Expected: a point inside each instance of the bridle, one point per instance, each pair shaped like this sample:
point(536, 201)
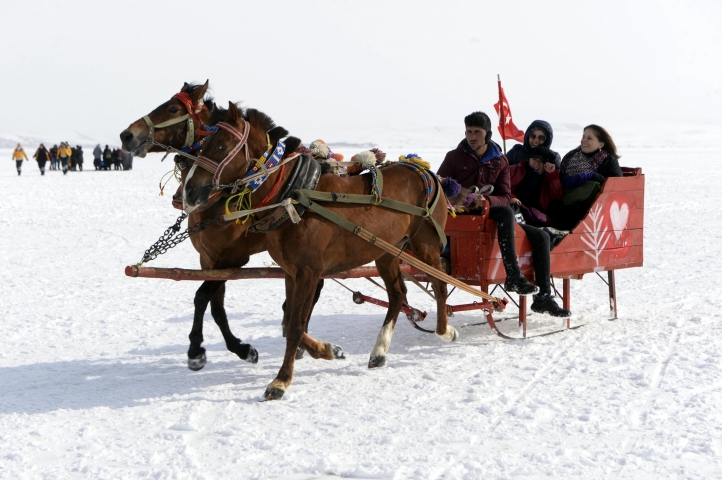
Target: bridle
point(190, 117)
point(255, 176)
point(216, 168)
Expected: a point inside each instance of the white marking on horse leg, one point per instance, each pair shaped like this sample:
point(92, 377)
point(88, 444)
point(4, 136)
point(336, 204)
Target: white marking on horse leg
point(383, 341)
point(450, 335)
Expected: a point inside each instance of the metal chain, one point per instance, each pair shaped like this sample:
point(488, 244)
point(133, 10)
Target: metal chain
point(171, 237)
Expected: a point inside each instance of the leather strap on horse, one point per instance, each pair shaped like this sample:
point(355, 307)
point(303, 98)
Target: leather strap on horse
point(381, 201)
point(389, 248)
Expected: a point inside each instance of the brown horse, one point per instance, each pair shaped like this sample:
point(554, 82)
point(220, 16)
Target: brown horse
point(316, 246)
point(220, 246)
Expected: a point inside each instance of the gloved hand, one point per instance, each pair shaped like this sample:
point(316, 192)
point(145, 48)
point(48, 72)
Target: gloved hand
point(598, 177)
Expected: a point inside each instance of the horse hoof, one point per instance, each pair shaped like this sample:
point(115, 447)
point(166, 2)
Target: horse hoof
point(273, 394)
point(197, 363)
point(299, 353)
point(251, 355)
point(338, 353)
point(377, 361)
point(451, 334)
point(245, 351)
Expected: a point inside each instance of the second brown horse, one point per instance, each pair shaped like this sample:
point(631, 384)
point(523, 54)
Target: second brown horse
point(316, 246)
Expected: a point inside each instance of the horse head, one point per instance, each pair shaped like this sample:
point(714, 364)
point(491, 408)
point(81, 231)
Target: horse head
point(172, 123)
point(240, 137)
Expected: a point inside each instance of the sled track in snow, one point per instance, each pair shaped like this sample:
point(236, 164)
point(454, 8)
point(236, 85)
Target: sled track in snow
point(639, 416)
point(551, 365)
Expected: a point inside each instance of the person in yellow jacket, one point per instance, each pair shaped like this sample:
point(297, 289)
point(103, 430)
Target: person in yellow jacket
point(64, 154)
point(18, 156)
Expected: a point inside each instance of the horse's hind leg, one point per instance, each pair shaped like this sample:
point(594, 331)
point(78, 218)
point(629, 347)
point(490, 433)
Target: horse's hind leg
point(388, 267)
point(319, 287)
point(425, 246)
point(234, 344)
point(196, 353)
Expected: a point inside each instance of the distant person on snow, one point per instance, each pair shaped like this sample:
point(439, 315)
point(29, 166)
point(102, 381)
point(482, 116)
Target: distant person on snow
point(97, 157)
point(127, 161)
point(78, 157)
point(18, 156)
point(478, 161)
point(41, 156)
point(107, 158)
point(71, 162)
point(64, 154)
point(54, 157)
point(117, 159)
point(538, 134)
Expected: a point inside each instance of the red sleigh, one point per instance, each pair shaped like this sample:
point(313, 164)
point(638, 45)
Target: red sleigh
point(609, 238)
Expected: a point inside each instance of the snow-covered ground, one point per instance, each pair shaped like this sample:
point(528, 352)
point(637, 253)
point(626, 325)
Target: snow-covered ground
point(94, 381)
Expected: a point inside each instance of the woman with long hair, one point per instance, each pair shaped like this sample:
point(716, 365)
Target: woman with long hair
point(582, 172)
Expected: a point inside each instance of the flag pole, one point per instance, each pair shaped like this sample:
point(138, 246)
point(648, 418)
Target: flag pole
point(502, 117)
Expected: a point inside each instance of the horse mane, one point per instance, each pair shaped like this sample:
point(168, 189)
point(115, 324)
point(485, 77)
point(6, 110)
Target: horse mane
point(218, 114)
point(258, 120)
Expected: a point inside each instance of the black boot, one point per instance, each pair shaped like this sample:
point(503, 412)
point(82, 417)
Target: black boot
point(519, 284)
point(544, 303)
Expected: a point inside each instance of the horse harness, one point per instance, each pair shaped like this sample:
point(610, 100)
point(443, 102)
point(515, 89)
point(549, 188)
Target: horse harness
point(299, 193)
point(193, 111)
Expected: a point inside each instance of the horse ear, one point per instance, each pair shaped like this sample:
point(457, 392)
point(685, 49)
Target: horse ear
point(198, 94)
point(233, 113)
point(185, 87)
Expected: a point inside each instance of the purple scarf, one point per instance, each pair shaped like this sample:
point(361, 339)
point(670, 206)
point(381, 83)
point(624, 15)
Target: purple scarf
point(576, 162)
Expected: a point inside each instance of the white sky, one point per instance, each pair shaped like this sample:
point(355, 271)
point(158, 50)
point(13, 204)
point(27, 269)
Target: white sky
point(343, 66)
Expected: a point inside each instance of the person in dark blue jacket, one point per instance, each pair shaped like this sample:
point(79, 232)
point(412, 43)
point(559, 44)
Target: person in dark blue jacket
point(538, 134)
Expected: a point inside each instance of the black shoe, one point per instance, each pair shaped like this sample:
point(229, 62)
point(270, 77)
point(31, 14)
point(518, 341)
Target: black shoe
point(520, 285)
point(555, 235)
point(545, 303)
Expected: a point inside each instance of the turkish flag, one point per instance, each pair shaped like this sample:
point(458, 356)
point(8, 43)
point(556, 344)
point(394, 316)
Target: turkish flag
point(507, 129)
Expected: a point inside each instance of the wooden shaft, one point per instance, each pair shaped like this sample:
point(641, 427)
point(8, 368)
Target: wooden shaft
point(418, 264)
point(178, 274)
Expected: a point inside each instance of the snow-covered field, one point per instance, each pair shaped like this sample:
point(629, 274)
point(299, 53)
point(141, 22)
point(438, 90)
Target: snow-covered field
point(94, 381)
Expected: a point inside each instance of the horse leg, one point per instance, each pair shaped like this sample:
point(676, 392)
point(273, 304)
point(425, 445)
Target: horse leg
point(234, 344)
point(388, 268)
point(196, 353)
point(319, 287)
point(425, 247)
point(299, 290)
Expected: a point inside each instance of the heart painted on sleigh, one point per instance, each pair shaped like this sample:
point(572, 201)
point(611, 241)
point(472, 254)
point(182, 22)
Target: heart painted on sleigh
point(619, 216)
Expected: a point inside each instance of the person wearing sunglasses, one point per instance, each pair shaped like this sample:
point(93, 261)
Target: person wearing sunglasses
point(538, 134)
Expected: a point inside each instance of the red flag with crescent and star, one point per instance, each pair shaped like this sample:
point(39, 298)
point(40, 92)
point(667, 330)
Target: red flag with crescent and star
point(507, 129)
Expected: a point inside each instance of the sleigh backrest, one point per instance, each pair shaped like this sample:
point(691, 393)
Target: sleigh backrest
point(609, 237)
